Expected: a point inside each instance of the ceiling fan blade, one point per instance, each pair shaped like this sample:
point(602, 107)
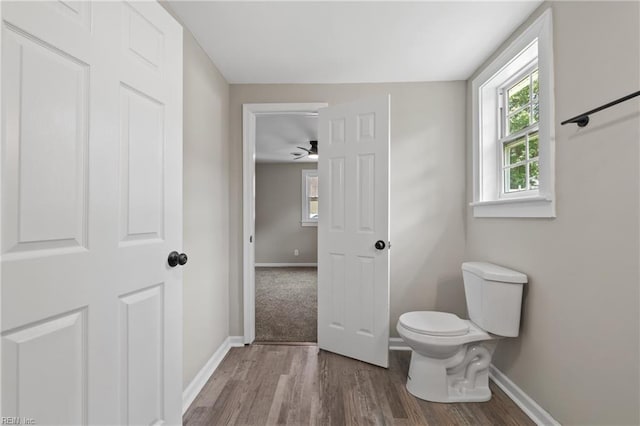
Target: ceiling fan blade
point(301, 156)
point(304, 149)
point(297, 153)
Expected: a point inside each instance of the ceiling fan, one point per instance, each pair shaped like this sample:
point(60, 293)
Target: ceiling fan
point(311, 153)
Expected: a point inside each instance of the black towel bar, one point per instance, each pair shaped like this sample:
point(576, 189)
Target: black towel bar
point(583, 119)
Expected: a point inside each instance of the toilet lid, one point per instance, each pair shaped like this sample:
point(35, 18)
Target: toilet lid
point(434, 323)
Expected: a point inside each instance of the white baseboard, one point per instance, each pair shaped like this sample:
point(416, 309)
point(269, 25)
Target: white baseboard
point(198, 382)
point(397, 344)
point(285, 265)
point(236, 341)
point(531, 408)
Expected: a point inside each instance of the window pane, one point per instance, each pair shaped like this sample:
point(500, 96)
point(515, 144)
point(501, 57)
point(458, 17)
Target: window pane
point(515, 179)
point(515, 152)
point(519, 94)
point(313, 209)
point(312, 186)
point(519, 121)
point(533, 145)
point(534, 174)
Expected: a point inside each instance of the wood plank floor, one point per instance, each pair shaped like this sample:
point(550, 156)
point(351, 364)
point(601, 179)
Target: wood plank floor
point(300, 385)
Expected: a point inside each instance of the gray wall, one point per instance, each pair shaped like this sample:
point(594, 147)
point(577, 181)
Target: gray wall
point(427, 187)
point(278, 205)
point(577, 354)
point(205, 195)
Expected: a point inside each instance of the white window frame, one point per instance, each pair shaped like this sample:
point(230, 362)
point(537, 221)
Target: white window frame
point(305, 220)
point(489, 197)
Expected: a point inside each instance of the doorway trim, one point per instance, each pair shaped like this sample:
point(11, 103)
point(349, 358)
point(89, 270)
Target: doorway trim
point(249, 114)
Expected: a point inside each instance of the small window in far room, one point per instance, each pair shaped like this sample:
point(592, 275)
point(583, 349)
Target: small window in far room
point(309, 198)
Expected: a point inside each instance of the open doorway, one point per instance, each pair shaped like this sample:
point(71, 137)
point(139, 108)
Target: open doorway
point(280, 222)
point(286, 227)
point(353, 226)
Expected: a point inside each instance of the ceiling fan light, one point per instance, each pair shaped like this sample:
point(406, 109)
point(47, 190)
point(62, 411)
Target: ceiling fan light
point(311, 154)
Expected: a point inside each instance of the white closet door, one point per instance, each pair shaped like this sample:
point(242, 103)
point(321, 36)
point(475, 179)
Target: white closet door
point(91, 208)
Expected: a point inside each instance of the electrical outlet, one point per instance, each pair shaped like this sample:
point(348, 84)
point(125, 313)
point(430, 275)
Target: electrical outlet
point(296, 252)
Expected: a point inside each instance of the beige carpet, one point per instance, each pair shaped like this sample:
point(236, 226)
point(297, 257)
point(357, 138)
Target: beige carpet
point(286, 304)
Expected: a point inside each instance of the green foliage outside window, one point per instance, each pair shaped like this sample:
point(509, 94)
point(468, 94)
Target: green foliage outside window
point(521, 155)
point(523, 108)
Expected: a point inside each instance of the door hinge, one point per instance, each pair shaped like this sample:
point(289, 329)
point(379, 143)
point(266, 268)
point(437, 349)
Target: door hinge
point(250, 238)
point(389, 245)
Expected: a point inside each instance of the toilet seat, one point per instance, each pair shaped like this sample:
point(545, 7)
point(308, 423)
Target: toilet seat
point(434, 323)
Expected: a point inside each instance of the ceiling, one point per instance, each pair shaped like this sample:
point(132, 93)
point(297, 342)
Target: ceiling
point(350, 42)
point(278, 135)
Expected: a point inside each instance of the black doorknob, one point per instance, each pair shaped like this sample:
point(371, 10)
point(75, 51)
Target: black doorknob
point(176, 259)
point(380, 245)
point(173, 259)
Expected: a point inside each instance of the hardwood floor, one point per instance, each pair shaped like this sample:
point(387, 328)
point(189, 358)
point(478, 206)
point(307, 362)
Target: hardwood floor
point(300, 385)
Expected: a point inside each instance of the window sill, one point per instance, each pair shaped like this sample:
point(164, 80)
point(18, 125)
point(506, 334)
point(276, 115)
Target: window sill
point(537, 206)
point(311, 224)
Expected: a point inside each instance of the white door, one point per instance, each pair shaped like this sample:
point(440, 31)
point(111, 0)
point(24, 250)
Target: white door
point(353, 275)
point(91, 208)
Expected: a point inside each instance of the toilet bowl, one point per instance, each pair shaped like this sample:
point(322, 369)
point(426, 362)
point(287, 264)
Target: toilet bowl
point(446, 367)
point(450, 356)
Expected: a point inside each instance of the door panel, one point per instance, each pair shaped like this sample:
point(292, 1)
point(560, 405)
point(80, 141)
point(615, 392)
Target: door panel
point(353, 276)
point(142, 319)
point(366, 294)
point(366, 193)
point(143, 40)
point(338, 290)
point(142, 162)
point(91, 207)
point(336, 193)
point(48, 360)
point(31, 135)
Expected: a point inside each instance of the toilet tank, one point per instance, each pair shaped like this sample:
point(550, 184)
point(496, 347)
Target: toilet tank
point(494, 297)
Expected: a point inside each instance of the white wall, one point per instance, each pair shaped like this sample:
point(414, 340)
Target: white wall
point(577, 354)
point(278, 214)
point(206, 218)
point(427, 187)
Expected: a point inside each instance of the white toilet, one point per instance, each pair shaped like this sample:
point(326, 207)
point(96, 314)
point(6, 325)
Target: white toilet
point(450, 356)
